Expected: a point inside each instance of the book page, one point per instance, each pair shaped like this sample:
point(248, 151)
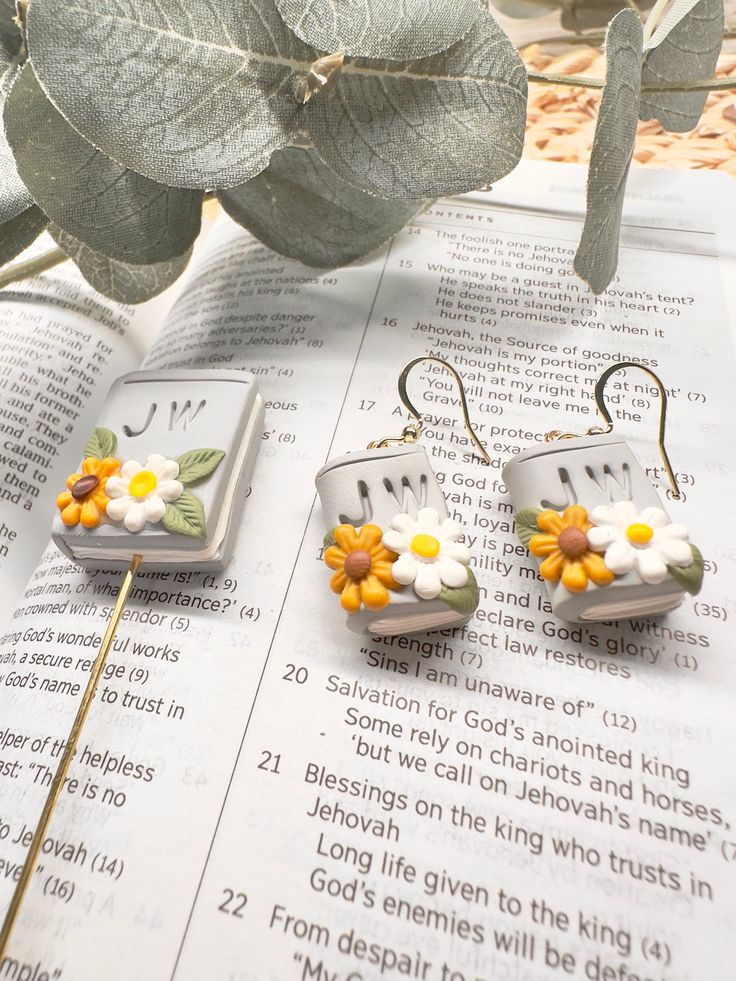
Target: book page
point(261, 794)
point(63, 346)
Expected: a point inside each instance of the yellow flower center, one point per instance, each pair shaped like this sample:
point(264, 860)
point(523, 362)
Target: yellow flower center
point(142, 483)
point(425, 545)
point(639, 534)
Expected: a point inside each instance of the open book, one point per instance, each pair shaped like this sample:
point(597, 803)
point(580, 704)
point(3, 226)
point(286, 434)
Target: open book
point(261, 794)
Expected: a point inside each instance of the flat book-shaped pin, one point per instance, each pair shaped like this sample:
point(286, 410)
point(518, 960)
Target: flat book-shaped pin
point(162, 482)
point(165, 472)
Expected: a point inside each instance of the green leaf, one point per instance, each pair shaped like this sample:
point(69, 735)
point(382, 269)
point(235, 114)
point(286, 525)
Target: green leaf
point(685, 47)
point(120, 281)
point(524, 9)
point(463, 600)
point(329, 538)
point(380, 28)
point(613, 145)
point(525, 524)
point(185, 516)
point(112, 210)
point(102, 442)
point(440, 125)
point(18, 233)
point(299, 208)
point(195, 465)
point(189, 94)
point(14, 196)
point(690, 577)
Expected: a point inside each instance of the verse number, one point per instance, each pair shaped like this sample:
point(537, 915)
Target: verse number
point(270, 762)
point(233, 903)
point(365, 405)
point(297, 674)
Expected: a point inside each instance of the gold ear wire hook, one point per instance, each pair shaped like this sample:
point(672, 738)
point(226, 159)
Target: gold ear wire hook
point(603, 410)
point(412, 432)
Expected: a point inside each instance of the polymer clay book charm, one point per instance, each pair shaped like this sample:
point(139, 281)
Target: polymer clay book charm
point(397, 561)
point(162, 482)
point(151, 480)
point(587, 510)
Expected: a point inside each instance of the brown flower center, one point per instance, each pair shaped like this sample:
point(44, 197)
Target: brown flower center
point(84, 486)
point(573, 542)
point(357, 564)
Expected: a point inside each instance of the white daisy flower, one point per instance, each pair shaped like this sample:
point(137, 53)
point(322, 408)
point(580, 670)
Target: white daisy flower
point(643, 540)
point(430, 554)
point(139, 494)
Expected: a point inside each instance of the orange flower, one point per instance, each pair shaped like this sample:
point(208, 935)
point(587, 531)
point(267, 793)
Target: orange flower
point(85, 500)
point(567, 553)
point(362, 568)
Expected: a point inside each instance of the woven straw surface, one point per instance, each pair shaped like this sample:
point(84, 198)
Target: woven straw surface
point(561, 119)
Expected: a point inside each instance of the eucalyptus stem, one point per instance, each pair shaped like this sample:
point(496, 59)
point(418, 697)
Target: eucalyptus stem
point(587, 82)
point(596, 37)
point(31, 267)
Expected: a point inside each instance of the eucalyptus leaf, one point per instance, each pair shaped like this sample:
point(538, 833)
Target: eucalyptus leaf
point(525, 524)
point(11, 39)
point(112, 210)
point(380, 28)
point(463, 599)
point(18, 233)
point(14, 197)
point(524, 9)
point(189, 94)
point(440, 125)
point(195, 465)
point(329, 538)
point(120, 281)
point(613, 146)
point(685, 47)
point(690, 577)
point(101, 443)
point(299, 208)
point(185, 516)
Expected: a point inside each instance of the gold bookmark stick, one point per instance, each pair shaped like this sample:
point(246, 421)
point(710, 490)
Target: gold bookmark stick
point(57, 784)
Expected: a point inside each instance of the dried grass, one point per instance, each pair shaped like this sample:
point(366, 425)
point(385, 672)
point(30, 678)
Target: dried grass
point(561, 119)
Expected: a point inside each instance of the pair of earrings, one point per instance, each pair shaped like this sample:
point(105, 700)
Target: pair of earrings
point(583, 506)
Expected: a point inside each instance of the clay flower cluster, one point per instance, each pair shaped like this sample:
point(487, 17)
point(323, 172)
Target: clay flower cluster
point(578, 548)
point(134, 494)
point(422, 552)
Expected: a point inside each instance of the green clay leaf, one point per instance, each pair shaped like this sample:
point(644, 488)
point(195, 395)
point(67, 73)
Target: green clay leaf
point(525, 524)
point(685, 47)
point(299, 208)
point(103, 442)
point(111, 209)
point(195, 465)
point(613, 145)
point(380, 28)
point(121, 281)
point(329, 538)
point(690, 577)
point(463, 600)
point(185, 516)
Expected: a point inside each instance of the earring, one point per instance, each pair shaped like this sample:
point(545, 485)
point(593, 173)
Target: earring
point(398, 564)
point(589, 512)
